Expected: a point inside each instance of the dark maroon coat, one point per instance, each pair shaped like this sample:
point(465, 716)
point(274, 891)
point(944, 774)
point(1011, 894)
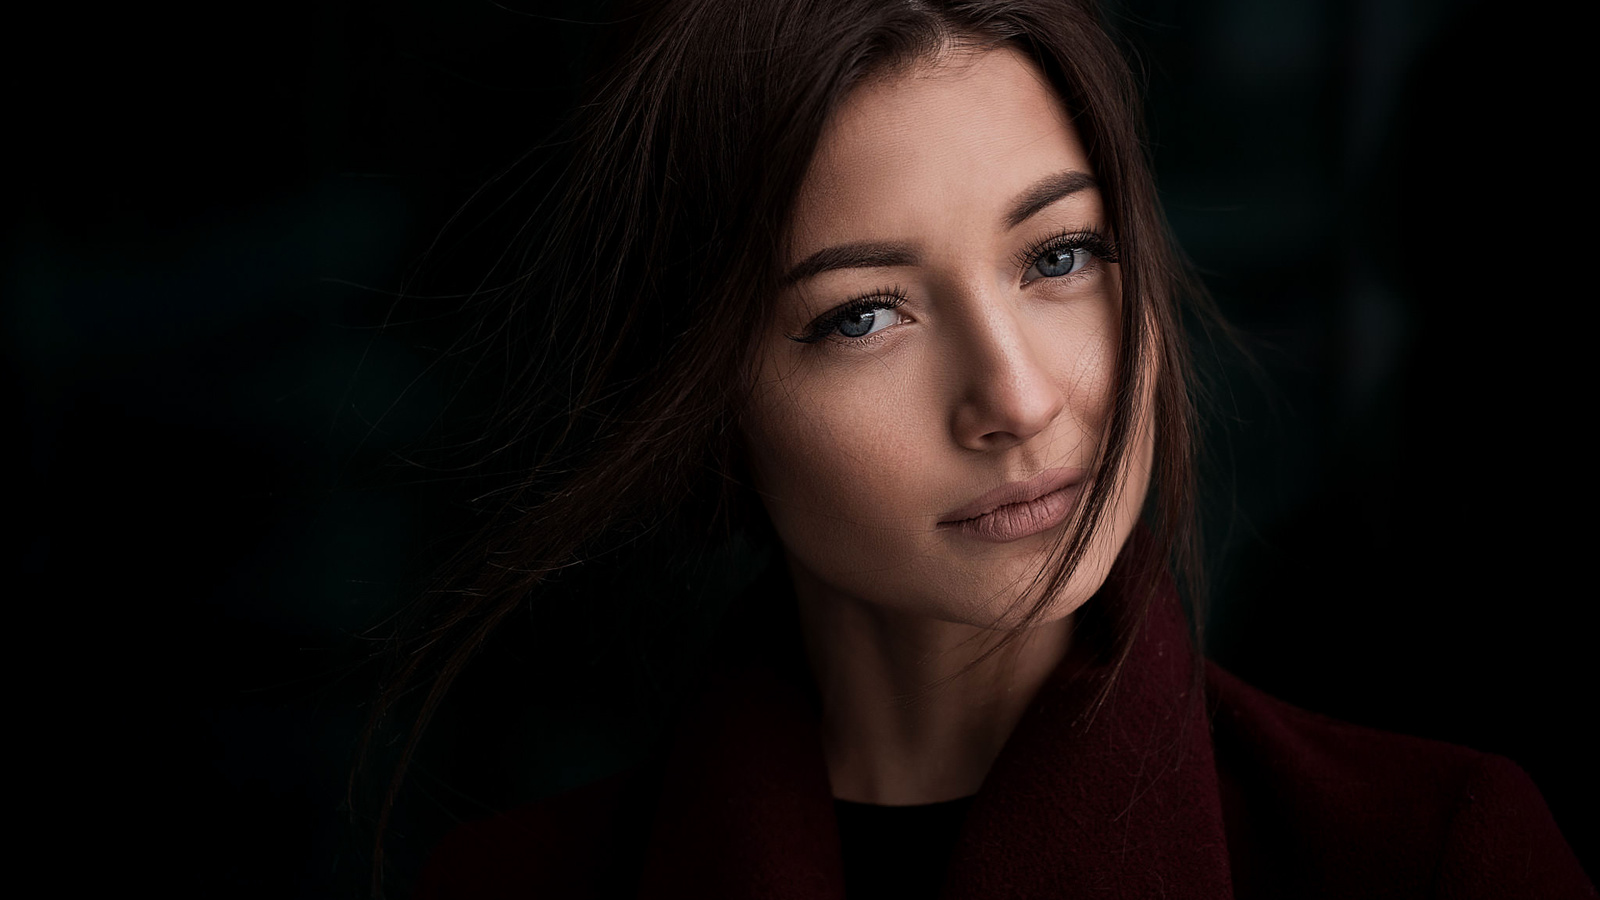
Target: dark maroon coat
point(1151, 796)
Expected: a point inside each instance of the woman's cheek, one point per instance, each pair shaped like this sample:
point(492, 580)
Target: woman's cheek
point(840, 457)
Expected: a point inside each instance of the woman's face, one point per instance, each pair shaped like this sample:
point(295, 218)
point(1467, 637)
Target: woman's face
point(933, 388)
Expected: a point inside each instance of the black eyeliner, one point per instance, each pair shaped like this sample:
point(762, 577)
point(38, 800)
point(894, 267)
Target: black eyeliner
point(823, 325)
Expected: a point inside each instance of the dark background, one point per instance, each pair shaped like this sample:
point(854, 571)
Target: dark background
point(219, 397)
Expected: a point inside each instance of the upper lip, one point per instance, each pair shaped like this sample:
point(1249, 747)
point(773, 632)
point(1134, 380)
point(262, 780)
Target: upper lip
point(1047, 482)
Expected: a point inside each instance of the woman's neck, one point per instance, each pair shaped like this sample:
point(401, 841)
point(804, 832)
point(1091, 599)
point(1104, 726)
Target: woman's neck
point(892, 733)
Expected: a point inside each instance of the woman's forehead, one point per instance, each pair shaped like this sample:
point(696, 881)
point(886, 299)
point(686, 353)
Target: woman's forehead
point(954, 140)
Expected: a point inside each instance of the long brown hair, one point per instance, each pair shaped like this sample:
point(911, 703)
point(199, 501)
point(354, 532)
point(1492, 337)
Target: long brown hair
point(633, 312)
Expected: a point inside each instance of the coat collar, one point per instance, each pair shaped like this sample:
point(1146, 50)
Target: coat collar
point(1121, 801)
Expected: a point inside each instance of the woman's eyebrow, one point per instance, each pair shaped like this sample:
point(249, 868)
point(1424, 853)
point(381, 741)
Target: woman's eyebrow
point(858, 255)
point(1046, 191)
point(882, 254)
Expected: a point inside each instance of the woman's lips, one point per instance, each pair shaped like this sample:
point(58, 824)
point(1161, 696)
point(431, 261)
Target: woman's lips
point(1020, 509)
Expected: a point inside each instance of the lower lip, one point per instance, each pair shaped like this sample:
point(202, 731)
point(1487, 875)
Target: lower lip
point(1019, 520)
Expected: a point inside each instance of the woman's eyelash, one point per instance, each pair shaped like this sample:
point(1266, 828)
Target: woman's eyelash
point(825, 324)
point(1099, 246)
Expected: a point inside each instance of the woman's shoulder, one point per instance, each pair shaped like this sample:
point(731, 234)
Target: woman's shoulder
point(567, 845)
point(1310, 801)
point(1271, 735)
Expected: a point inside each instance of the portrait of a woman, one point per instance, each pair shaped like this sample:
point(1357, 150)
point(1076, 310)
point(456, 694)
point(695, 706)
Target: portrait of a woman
point(886, 288)
point(835, 449)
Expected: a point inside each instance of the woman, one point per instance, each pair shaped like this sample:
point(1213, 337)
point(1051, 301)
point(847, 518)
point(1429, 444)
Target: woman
point(887, 286)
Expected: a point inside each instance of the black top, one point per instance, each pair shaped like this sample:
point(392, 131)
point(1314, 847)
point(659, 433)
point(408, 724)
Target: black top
point(897, 851)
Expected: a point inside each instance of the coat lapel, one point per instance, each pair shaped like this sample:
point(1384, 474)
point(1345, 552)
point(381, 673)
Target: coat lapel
point(745, 808)
point(1116, 802)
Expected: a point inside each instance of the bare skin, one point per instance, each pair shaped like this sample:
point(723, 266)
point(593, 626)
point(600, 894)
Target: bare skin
point(949, 332)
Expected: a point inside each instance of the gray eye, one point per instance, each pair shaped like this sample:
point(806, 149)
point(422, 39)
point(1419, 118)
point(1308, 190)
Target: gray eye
point(1061, 261)
point(858, 324)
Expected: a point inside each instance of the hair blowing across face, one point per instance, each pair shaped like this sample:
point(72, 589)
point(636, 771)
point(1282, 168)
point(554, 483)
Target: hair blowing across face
point(634, 311)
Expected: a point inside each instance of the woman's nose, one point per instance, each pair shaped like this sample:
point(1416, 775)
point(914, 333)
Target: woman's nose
point(1008, 391)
